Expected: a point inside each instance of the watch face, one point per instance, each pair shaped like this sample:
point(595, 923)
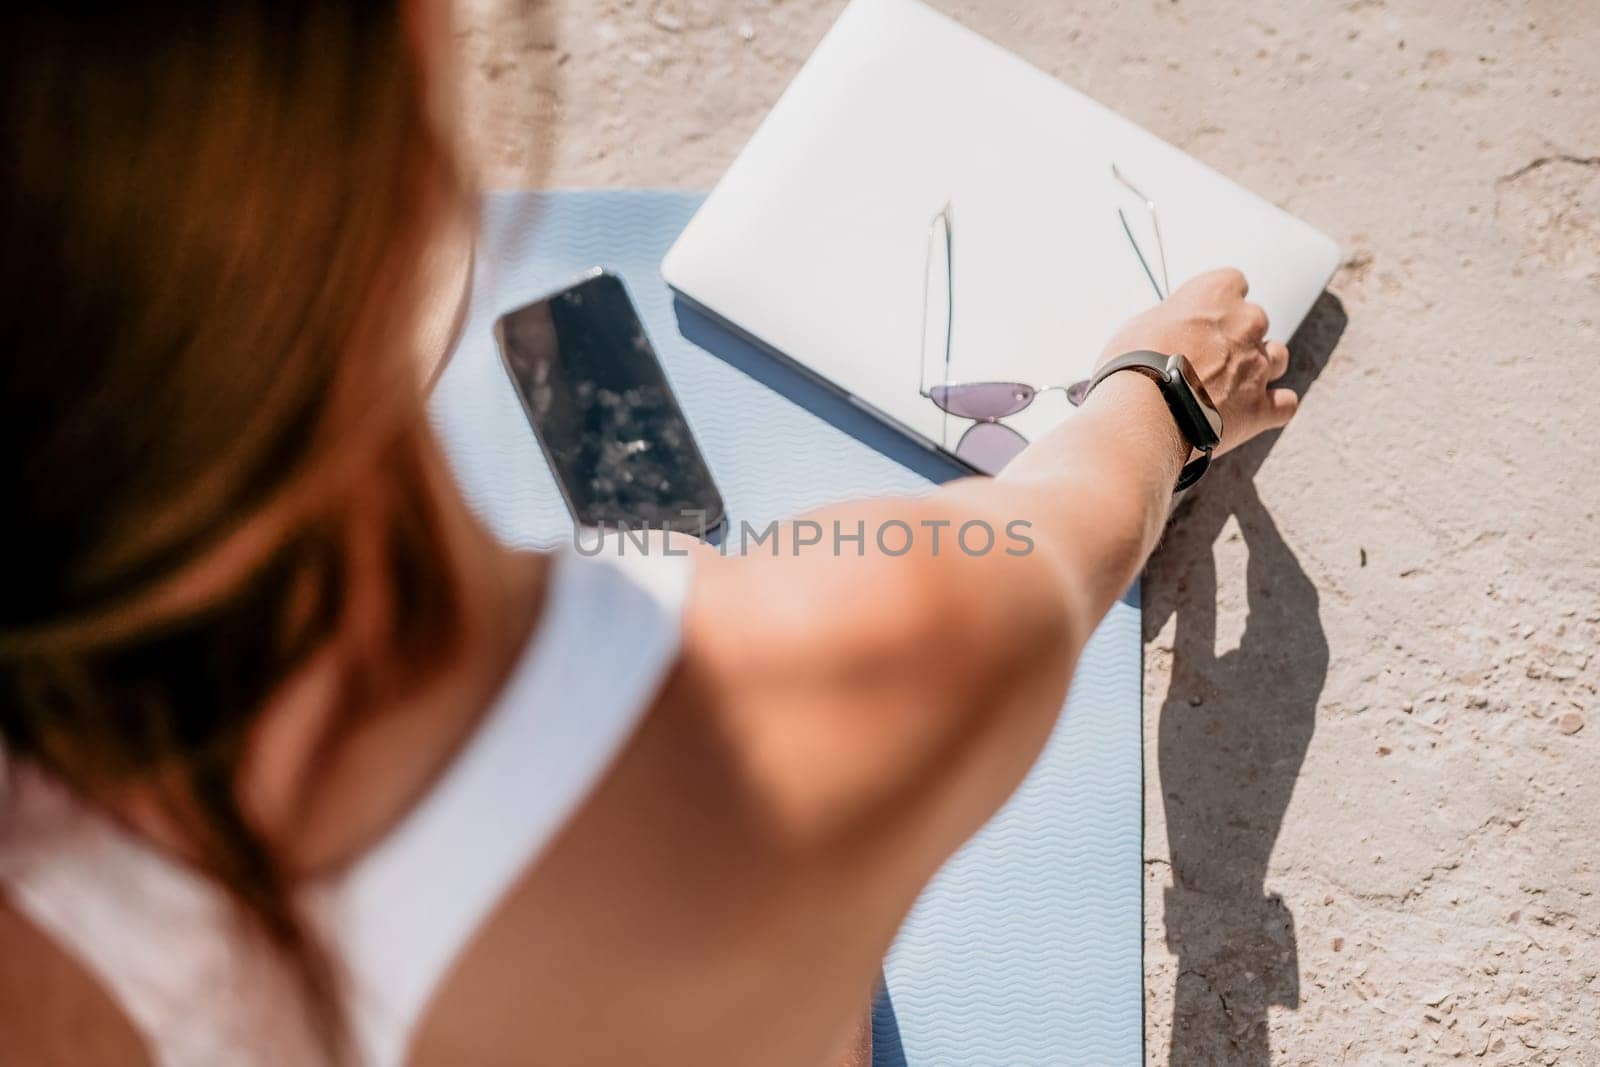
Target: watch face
point(1197, 387)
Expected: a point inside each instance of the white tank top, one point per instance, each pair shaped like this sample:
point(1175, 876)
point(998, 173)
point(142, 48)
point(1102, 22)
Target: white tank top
point(166, 944)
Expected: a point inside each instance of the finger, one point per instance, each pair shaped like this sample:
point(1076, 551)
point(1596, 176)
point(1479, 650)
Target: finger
point(1277, 360)
point(1230, 280)
point(1282, 403)
point(1254, 319)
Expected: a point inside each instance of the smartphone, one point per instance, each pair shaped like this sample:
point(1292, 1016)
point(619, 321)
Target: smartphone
point(603, 412)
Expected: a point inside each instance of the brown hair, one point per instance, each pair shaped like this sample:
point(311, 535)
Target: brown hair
point(211, 215)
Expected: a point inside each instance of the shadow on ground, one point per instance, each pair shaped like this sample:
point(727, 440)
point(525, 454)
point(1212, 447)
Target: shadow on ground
point(1233, 734)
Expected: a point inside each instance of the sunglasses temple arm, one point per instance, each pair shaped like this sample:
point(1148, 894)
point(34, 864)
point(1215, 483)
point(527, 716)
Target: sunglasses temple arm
point(1161, 249)
point(922, 332)
point(1148, 273)
point(949, 304)
point(1155, 224)
point(949, 314)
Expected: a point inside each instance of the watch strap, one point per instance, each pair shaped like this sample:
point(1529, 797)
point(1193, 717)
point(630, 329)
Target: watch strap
point(1192, 471)
point(1185, 407)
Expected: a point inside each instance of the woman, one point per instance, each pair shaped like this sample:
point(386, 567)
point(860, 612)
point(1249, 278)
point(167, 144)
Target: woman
point(302, 765)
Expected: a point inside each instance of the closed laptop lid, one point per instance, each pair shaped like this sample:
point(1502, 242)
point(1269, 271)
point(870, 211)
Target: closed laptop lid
point(815, 240)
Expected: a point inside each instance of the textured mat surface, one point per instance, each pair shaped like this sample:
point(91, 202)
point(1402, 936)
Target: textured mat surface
point(1026, 948)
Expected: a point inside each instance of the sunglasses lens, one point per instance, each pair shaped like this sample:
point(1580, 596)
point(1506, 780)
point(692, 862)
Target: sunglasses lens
point(1077, 393)
point(983, 400)
point(989, 446)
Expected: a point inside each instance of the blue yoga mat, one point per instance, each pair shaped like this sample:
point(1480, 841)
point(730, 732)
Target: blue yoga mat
point(1026, 949)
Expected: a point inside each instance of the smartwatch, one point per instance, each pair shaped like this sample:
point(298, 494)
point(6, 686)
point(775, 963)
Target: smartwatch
point(1197, 417)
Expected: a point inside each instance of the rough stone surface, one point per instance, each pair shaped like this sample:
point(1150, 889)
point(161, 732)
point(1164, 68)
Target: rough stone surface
point(1372, 805)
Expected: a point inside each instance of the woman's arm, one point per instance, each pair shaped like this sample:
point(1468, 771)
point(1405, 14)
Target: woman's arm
point(860, 671)
point(874, 709)
point(1098, 490)
point(837, 725)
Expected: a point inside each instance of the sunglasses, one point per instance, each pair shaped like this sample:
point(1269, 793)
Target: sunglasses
point(988, 443)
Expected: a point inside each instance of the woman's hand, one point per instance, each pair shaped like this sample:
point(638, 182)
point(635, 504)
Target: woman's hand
point(1223, 335)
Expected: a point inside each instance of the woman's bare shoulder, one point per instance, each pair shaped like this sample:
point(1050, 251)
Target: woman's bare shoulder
point(668, 924)
point(52, 1009)
point(833, 728)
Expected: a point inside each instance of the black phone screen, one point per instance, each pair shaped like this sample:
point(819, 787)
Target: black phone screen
point(603, 411)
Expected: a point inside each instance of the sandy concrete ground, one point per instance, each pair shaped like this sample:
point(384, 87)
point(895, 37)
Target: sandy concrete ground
point(1371, 713)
